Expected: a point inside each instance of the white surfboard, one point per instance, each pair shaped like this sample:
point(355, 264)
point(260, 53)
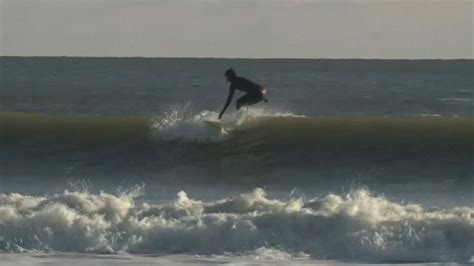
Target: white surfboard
point(213, 123)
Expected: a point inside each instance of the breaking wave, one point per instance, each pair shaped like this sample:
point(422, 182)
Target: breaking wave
point(358, 225)
point(185, 126)
point(254, 146)
point(247, 145)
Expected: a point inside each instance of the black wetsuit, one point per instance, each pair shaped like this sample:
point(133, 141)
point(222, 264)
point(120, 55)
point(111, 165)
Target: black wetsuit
point(254, 93)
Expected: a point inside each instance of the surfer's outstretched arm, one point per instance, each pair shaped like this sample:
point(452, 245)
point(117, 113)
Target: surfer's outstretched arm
point(227, 102)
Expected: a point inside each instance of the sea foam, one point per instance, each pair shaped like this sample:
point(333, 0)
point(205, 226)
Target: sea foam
point(358, 226)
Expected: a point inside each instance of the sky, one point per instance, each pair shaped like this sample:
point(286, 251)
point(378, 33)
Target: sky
point(409, 29)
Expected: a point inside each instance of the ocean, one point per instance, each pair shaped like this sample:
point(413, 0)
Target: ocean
point(109, 161)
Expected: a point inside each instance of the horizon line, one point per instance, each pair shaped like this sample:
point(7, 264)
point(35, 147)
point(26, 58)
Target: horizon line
point(237, 58)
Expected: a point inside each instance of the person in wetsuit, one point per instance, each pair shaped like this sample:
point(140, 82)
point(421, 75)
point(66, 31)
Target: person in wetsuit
point(254, 92)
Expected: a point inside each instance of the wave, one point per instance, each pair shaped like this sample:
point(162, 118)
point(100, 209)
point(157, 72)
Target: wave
point(252, 130)
point(359, 226)
point(459, 100)
point(183, 125)
point(177, 124)
point(254, 147)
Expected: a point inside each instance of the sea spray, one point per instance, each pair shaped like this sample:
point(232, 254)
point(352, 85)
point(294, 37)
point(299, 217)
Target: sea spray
point(181, 123)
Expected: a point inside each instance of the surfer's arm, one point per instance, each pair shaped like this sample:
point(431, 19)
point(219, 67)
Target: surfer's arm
point(227, 102)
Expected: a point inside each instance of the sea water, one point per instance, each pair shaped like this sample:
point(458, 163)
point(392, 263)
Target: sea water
point(109, 161)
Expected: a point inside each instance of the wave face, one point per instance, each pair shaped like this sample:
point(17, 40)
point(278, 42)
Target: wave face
point(358, 226)
point(276, 130)
point(250, 144)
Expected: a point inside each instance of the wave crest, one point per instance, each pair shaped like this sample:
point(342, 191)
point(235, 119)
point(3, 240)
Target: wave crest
point(181, 123)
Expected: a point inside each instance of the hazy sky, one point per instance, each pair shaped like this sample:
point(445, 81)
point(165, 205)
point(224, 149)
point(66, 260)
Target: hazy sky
point(238, 28)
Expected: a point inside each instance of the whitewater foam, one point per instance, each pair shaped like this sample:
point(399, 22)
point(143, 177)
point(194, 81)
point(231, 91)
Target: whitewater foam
point(358, 225)
point(181, 123)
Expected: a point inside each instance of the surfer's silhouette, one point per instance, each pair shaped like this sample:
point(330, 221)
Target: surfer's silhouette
point(254, 92)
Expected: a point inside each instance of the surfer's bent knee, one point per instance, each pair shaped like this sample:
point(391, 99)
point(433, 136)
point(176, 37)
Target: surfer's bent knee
point(251, 99)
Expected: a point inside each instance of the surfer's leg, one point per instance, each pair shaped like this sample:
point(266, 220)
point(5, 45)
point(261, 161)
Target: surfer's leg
point(249, 99)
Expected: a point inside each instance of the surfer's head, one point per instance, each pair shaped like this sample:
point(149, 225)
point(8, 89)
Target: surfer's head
point(230, 74)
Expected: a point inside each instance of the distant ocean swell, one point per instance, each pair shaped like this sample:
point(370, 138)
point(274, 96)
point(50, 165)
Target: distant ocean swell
point(358, 225)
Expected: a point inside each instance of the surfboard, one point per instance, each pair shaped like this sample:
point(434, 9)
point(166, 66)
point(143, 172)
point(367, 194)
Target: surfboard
point(213, 123)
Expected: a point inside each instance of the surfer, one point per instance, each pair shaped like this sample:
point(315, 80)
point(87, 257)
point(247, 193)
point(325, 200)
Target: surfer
point(254, 92)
